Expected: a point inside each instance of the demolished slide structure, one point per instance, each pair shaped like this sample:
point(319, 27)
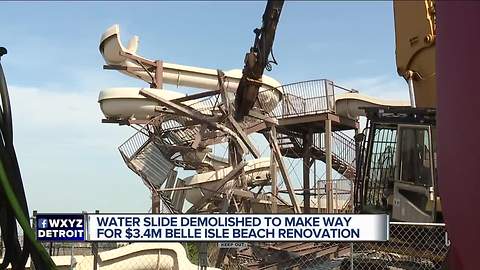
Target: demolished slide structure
point(130, 104)
point(179, 130)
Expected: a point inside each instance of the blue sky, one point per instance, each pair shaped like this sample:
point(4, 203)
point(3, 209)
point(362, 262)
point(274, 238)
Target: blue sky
point(70, 161)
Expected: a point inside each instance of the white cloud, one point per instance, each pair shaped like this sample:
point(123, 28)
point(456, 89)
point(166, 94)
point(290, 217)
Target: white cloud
point(69, 159)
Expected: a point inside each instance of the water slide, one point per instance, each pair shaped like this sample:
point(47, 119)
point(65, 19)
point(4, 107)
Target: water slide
point(124, 103)
point(115, 53)
point(137, 256)
point(112, 101)
point(127, 103)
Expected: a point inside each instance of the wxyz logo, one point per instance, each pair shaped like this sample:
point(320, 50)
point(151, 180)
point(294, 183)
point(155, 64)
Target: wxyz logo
point(64, 223)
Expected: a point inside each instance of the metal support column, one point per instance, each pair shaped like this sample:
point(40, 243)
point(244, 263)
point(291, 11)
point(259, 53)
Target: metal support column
point(95, 250)
point(319, 197)
point(155, 202)
point(158, 83)
point(352, 194)
point(203, 255)
point(273, 173)
point(286, 178)
point(307, 144)
point(328, 159)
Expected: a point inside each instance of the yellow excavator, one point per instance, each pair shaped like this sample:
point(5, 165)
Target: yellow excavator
point(396, 162)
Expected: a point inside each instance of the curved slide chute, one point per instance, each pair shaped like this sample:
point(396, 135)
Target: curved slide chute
point(116, 54)
point(257, 171)
point(125, 103)
point(350, 104)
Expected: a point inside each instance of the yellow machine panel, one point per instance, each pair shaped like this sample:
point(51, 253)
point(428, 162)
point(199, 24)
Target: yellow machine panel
point(415, 35)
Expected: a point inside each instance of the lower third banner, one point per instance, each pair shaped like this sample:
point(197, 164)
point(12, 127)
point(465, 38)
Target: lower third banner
point(237, 227)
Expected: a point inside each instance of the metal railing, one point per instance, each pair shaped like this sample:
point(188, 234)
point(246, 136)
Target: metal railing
point(134, 144)
point(300, 98)
point(342, 191)
point(343, 150)
point(307, 97)
point(343, 147)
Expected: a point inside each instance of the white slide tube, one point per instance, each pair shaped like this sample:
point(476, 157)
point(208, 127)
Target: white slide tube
point(114, 52)
point(350, 104)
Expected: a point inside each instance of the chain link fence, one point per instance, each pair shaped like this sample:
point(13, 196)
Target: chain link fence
point(412, 246)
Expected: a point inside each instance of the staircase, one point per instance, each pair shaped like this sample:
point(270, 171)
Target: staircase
point(144, 158)
point(343, 150)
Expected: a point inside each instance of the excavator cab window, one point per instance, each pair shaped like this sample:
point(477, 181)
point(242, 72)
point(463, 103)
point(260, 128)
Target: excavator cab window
point(414, 197)
point(415, 155)
point(381, 168)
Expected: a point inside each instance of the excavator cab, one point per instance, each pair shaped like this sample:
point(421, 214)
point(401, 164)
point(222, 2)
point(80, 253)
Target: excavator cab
point(396, 158)
point(396, 154)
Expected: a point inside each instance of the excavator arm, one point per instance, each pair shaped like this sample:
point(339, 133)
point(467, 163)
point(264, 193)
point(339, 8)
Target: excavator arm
point(415, 35)
point(256, 60)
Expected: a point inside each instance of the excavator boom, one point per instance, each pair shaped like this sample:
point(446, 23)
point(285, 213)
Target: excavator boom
point(415, 35)
point(256, 60)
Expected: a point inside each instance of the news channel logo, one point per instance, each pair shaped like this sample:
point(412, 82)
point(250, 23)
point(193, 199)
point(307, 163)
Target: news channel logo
point(60, 227)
